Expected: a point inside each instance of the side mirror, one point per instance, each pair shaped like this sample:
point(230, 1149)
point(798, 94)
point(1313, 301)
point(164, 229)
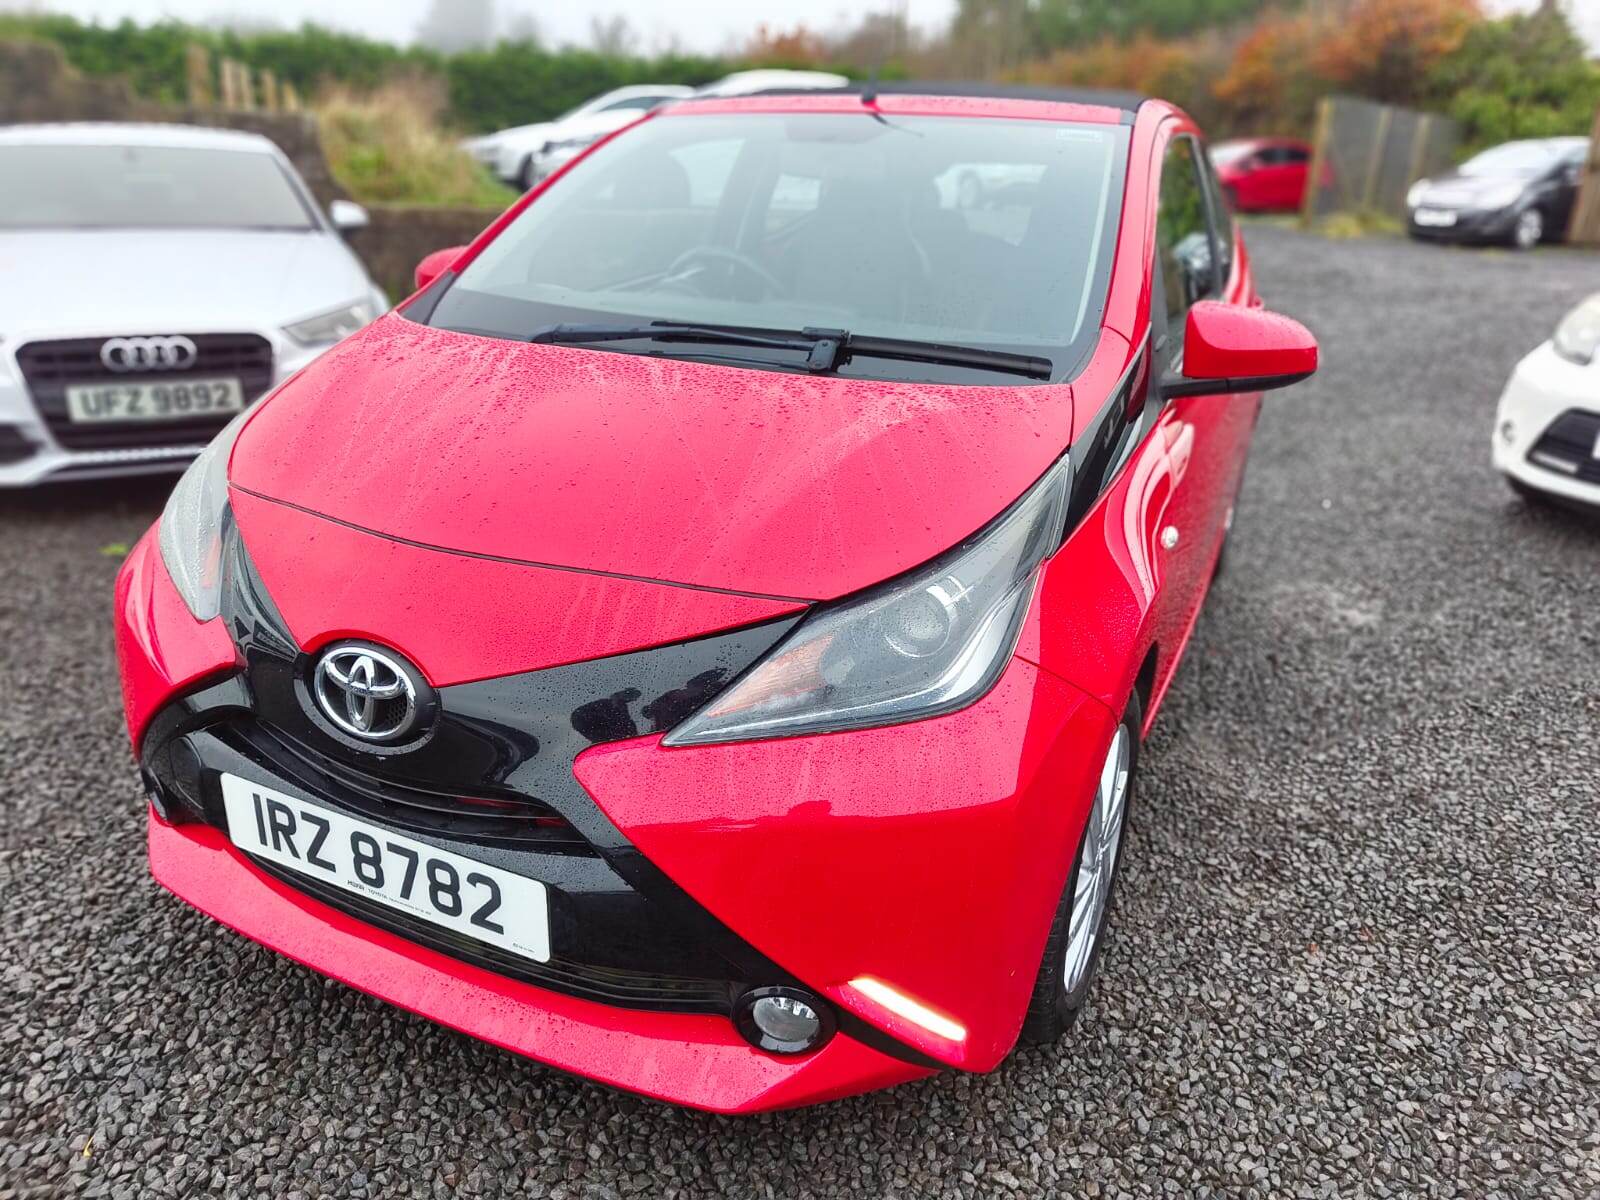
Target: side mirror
point(436, 264)
point(1228, 349)
point(347, 215)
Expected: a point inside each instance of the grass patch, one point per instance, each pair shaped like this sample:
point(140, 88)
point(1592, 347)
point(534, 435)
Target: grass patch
point(387, 146)
point(1358, 223)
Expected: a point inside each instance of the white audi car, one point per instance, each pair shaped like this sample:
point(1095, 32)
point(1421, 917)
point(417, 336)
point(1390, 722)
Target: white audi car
point(158, 279)
point(1547, 431)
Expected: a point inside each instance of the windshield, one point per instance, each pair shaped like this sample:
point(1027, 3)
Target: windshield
point(978, 232)
point(1513, 158)
point(145, 187)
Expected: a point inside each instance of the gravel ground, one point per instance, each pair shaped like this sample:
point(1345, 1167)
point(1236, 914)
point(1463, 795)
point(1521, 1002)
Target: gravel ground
point(1355, 951)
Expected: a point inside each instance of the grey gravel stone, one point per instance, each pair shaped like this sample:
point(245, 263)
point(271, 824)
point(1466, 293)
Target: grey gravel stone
point(1354, 953)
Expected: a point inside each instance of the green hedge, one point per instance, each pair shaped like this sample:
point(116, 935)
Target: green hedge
point(514, 83)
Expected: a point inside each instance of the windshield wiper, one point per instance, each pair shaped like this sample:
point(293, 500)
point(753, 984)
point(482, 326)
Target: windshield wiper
point(818, 356)
point(825, 349)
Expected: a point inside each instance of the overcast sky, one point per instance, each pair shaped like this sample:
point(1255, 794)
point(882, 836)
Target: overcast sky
point(704, 25)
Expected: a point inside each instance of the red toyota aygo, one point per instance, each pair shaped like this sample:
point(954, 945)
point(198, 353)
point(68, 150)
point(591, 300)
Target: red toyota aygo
point(702, 639)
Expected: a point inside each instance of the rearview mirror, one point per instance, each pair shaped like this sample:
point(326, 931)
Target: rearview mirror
point(436, 264)
point(1229, 349)
point(347, 215)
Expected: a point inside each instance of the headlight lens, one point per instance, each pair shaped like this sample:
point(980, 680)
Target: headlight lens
point(326, 328)
point(1419, 191)
point(1503, 196)
point(194, 521)
point(571, 145)
point(1578, 336)
point(927, 643)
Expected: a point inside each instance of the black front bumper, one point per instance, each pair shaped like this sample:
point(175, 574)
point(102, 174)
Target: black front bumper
point(1471, 226)
point(492, 780)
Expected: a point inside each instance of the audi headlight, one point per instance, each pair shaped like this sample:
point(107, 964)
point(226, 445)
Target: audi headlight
point(1418, 193)
point(194, 522)
point(1502, 196)
point(926, 643)
point(1577, 338)
point(326, 328)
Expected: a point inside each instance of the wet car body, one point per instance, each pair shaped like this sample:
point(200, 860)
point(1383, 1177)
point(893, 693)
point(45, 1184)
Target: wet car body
point(577, 552)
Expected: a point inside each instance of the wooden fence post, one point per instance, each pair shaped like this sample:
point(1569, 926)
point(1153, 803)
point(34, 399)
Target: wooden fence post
point(289, 97)
point(1380, 143)
point(269, 89)
point(197, 75)
point(1419, 149)
point(1584, 229)
point(230, 83)
point(1319, 159)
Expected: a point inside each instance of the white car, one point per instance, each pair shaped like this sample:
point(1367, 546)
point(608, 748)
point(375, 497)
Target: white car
point(575, 135)
point(513, 154)
point(749, 83)
point(1547, 431)
point(159, 279)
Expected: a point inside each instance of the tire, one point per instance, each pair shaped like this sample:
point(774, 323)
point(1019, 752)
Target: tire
point(1221, 566)
point(1527, 231)
point(1533, 496)
point(525, 180)
point(1057, 1000)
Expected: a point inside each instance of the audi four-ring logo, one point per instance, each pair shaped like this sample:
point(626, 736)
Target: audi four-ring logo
point(365, 692)
point(172, 353)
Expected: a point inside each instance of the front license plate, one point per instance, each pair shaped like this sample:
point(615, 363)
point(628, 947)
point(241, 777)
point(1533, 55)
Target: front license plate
point(1438, 218)
point(459, 893)
point(153, 400)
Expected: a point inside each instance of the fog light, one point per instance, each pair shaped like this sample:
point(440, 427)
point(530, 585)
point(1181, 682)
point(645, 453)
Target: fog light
point(783, 1020)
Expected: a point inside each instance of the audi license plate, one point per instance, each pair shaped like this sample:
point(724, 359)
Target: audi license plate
point(1436, 218)
point(153, 400)
point(459, 893)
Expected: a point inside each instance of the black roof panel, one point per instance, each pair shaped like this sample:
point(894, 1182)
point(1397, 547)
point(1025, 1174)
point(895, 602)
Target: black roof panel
point(1105, 98)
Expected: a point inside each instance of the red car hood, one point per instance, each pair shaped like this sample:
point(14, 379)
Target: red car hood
point(752, 481)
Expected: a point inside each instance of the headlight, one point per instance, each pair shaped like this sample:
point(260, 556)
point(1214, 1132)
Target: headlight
point(927, 643)
point(1418, 192)
point(193, 523)
point(1503, 196)
point(571, 145)
point(326, 328)
point(1578, 336)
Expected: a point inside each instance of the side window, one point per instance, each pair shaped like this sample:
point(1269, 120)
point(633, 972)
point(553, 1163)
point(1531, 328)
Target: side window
point(1183, 235)
point(1295, 156)
point(1221, 220)
point(632, 104)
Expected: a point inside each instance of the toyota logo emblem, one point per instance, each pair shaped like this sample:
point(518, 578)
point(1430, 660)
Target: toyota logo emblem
point(369, 693)
point(172, 353)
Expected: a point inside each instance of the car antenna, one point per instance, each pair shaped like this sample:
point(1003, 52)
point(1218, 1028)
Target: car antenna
point(869, 94)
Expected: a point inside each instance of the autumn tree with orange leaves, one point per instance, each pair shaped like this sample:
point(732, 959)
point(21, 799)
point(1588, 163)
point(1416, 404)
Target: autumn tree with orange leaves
point(1387, 49)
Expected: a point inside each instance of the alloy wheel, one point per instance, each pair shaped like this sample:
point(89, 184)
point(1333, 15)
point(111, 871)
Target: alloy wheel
point(1530, 228)
point(1097, 861)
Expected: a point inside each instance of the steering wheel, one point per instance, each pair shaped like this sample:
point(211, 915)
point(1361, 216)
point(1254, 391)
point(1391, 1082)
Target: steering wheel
point(733, 258)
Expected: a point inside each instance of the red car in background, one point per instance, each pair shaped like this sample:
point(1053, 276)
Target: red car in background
point(703, 638)
point(1263, 174)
